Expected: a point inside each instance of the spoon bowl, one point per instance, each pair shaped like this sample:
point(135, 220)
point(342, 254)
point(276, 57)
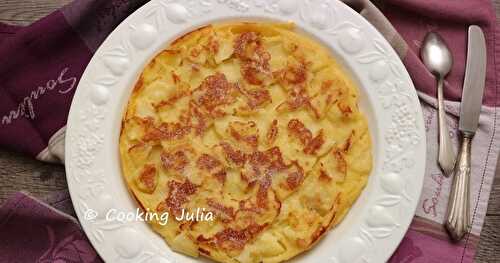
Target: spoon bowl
point(436, 55)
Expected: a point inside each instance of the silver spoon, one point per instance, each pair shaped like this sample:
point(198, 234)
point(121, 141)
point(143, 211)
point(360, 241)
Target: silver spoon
point(437, 58)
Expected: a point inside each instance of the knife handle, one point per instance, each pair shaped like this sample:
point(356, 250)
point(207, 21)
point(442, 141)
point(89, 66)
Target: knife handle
point(458, 215)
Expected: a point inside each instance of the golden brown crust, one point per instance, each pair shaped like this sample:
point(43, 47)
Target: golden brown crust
point(178, 195)
point(148, 178)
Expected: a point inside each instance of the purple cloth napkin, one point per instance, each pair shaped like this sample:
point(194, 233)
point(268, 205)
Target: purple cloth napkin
point(33, 231)
point(42, 64)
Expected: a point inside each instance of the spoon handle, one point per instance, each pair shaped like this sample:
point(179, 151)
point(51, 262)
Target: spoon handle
point(458, 215)
point(446, 158)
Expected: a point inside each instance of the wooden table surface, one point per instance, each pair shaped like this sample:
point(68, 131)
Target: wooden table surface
point(19, 172)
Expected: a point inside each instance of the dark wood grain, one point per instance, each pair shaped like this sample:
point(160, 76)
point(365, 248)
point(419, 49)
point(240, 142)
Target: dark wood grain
point(489, 244)
point(494, 204)
point(23, 12)
point(19, 172)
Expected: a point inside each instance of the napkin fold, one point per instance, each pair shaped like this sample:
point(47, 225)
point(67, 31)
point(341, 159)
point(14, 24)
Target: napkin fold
point(42, 64)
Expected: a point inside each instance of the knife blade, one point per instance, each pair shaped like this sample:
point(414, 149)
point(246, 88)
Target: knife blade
point(458, 220)
point(475, 75)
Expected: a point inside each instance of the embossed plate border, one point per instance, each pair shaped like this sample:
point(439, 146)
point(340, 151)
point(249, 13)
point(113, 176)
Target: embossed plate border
point(378, 220)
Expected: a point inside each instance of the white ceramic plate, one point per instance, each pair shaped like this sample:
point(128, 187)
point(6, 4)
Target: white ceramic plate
point(380, 217)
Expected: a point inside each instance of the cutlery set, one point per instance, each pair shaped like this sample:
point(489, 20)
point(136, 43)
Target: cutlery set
point(438, 59)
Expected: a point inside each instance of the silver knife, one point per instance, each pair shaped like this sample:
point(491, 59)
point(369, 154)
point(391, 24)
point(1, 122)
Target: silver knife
point(458, 221)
